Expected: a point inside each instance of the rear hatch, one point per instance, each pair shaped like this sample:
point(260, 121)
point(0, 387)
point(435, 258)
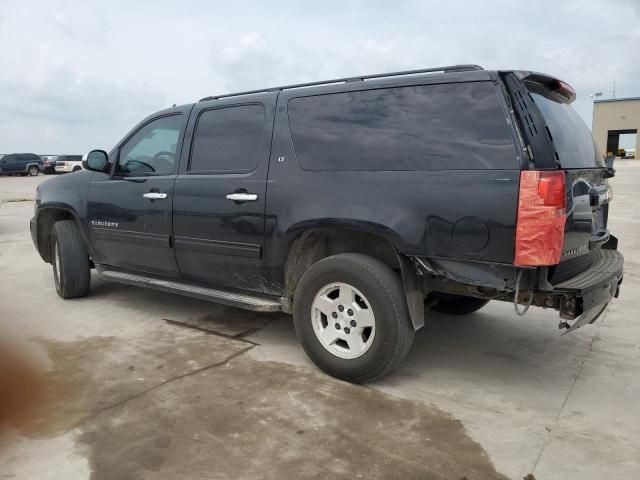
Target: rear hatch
point(558, 139)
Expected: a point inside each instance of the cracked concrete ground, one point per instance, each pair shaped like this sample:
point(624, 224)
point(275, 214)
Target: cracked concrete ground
point(141, 384)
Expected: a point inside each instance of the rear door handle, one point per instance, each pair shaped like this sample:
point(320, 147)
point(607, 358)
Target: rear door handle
point(242, 197)
point(155, 195)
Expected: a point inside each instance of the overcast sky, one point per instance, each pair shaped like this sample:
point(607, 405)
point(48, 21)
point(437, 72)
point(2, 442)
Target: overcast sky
point(78, 74)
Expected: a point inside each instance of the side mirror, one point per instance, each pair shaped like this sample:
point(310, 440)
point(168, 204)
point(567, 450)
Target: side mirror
point(96, 160)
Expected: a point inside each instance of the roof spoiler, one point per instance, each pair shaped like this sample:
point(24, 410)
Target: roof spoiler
point(549, 85)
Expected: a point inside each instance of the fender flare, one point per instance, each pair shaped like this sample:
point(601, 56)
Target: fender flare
point(58, 207)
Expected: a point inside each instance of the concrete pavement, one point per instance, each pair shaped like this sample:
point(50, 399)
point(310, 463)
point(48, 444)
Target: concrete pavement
point(141, 384)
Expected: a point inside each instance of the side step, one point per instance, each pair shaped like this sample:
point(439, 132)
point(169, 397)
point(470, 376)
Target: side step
point(240, 300)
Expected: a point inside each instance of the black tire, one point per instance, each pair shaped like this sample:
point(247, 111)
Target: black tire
point(383, 290)
point(33, 171)
point(72, 276)
point(77, 169)
point(458, 304)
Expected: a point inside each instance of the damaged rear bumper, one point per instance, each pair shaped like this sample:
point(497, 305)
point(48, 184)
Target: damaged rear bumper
point(580, 299)
point(589, 293)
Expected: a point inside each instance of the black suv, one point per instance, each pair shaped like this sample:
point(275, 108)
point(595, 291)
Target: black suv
point(21, 164)
point(356, 204)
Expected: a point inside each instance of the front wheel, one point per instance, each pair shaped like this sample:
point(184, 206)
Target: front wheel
point(70, 260)
point(457, 304)
point(33, 171)
point(351, 317)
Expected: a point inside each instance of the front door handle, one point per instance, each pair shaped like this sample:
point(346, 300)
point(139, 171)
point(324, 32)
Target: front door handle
point(155, 195)
point(242, 197)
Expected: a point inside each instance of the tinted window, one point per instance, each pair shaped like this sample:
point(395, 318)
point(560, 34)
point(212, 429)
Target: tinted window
point(228, 139)
point(152, 149)
point(571, 137)
point(427, 127)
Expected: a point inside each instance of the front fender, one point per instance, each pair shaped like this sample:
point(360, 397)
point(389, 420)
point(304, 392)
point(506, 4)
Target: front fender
point(57, 198)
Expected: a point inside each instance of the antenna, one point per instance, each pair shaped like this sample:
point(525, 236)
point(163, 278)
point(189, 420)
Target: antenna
point(614, 88)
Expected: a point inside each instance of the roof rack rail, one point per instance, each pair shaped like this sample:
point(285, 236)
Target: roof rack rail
point(447, 69)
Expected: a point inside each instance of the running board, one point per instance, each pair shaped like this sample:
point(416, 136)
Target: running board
point(240, 300)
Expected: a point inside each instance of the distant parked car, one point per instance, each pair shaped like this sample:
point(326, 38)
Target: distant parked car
point(21, 164)
point(49, 163)
point(68, 163)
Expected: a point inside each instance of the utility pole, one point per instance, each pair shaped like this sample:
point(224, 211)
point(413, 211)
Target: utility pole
point(614, 88)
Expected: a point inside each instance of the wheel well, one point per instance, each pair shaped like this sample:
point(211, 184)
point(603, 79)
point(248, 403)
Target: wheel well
point(46, 219)
point(316, 244)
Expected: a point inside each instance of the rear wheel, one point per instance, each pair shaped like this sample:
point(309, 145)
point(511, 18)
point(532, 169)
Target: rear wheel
point(70, 260)
point(351, 317)
point(33, 171)
point(458, 304)
point(77, 169)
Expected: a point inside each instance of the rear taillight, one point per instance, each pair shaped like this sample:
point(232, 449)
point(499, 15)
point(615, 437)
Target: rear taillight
point(541, 218)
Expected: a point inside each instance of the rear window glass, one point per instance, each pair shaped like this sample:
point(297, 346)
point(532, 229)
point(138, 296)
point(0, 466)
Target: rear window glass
point(426, 127)
point(571, 137)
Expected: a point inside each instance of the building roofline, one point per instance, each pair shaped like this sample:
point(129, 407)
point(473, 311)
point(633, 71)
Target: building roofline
point(617, 100)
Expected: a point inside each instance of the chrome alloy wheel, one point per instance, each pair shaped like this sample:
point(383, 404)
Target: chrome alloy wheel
point(343, 320)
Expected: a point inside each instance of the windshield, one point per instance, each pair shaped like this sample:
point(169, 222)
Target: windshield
point(571, 137)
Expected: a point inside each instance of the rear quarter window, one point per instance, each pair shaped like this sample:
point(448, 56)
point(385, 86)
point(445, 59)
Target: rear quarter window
point(457, 126)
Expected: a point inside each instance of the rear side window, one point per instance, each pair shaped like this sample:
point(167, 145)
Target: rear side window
point(228, 140)
point(426, 127)
point(571, 137)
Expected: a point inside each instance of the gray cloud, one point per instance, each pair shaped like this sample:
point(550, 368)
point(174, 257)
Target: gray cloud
point(77, 75)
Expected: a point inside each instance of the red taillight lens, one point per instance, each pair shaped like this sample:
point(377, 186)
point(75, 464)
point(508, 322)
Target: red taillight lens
point(551, 188)
point(541, 218)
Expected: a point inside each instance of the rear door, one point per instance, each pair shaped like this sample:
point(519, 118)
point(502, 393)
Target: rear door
point(219, 195)
point(559, 139)
point(587, 185)
point(21, 163)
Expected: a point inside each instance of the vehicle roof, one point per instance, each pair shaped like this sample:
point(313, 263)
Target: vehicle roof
point(453, 73)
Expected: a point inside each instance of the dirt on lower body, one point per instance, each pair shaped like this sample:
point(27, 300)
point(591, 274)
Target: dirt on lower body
point(192, 405)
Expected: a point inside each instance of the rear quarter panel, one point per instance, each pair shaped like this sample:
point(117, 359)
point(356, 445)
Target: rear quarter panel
point(419, 212)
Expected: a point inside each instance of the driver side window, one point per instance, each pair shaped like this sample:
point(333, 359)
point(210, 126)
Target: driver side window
point(152, 149)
